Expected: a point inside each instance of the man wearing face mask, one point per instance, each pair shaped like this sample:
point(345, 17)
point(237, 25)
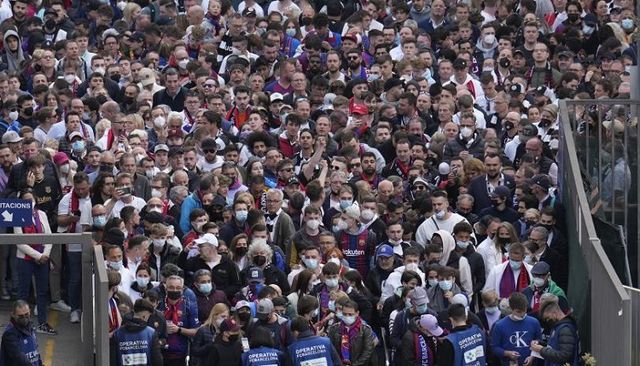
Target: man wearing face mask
point(410, 263)
point(442, 218)
point(561, 346)
point(307, 236)
point(501, 205)
point(181, 313)
point(238, 224)
point(511, 276)
point(386, 262)
point(277, 325)
point(161, 250)
point(114, 259)
point(224, 271)
point(468, 143)
point(512, 335)
point(416, 306)
point(543, 284)
point(464, 246)
point(19, 343)
point(440, 296)
point(134, 338)
point(356, 242)
point(352, 337)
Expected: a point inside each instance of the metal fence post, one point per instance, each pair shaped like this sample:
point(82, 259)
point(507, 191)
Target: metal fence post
point(102, 311)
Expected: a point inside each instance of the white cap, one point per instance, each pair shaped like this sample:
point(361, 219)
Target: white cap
point(207, 239)
point(276, 96)
point(444, 168)
point(11, 137)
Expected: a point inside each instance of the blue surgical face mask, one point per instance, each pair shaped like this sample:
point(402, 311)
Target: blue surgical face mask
point(332, 305)
point(349, 320)
point(310, 263)
point(421, 309)
point(344, 204)
point(515, 265)
point(78, 145)
point(331, 282)
point(241, 215)
point(491, 309)
point(433, 282)
point(627, 24)
point(142, 281)
point(462, 244)
point(205, 288)
point(291, 32)
point(100, 221)
point(115, 265)
point(445, 285)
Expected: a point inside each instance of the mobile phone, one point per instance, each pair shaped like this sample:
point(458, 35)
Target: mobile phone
point(125, 190)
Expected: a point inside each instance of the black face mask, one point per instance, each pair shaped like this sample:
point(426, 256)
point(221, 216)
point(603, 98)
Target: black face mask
point(116, 77)
point(544, 122)
point(126, 100)
point(23, 323)
point(244, 316)
point(305, 21)
point(548, 227)
point(28, 111)
point(496, 203)
point(505, 63)
point(50, 23)
point(174, 295)
point(234, 338)
point(241, 251)
point(508, 125)
point(259, 260)
point(106, 168)
point(573, 17)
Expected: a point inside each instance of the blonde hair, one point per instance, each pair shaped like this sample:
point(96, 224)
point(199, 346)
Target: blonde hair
point(101, 127)
point(129, 9)
point(216, 310)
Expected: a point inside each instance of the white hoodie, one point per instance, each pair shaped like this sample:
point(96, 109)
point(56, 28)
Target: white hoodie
point(393, 282)
point(448, 246)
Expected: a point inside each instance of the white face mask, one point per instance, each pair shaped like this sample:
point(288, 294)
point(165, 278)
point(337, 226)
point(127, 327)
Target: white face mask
point(99, 69)
point(183, 64)
point(411, 267)
point(466, 132)
point(70, 78)
point(313, 224)
point(13, 115)
point(65, 169)
point(156, 193)
point(159, 122)
point(489, 38)
point(367, 215)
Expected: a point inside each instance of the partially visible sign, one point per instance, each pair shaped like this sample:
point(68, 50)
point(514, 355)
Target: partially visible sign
point(16, 213)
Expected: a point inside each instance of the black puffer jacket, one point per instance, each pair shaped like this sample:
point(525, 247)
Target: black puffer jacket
point(563, 344)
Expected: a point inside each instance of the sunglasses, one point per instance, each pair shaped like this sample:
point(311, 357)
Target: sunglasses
point(209, 151)
point(351, 58)
point(356, 165)
point(335, 167)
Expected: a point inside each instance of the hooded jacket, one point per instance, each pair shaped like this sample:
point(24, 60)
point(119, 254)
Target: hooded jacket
point(12, 60)
point(393, 282)
point(453, 259)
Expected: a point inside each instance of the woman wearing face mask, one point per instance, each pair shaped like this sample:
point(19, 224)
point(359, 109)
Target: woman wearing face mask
point(261, 254)
point(207, 295)
point(142, 282)
point(203, 341)
point(65, 173)
point(238, 251)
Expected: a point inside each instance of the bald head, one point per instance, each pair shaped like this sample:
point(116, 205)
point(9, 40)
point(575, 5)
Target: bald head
point(195, 15)
point(109, 110)
point(534, 147)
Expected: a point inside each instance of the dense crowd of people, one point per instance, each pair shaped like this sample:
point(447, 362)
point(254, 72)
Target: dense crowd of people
point(335, 182)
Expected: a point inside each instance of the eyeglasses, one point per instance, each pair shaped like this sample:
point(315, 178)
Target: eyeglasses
point(209, 151)
point(157, 187)
point(335, 167)
point(351, 58)
point(209, 85)
point(356, 165)
point(420, 188)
